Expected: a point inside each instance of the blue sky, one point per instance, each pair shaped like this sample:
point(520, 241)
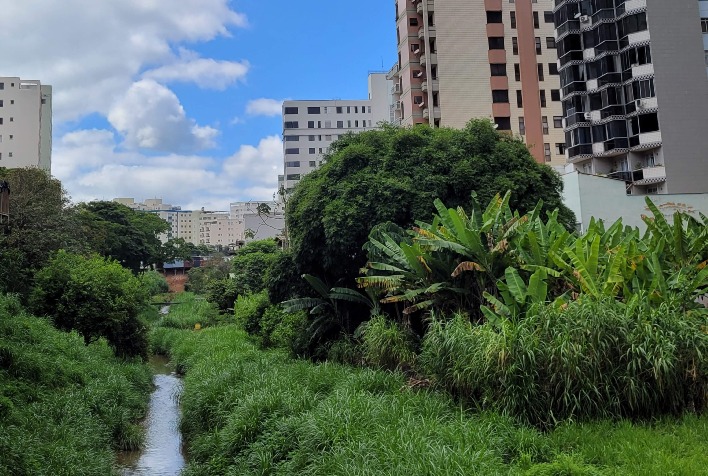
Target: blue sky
point(179, 99)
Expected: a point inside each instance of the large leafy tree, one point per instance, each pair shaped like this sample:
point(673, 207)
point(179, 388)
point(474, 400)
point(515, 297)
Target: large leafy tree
point(126, 235)
point(41, 222)
point(394, 175)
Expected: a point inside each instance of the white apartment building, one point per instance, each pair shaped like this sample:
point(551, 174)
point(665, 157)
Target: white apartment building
point(253, 225)
point(25, 123)
point(310, 126)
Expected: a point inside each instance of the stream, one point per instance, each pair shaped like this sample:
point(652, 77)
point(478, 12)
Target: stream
point(162, 452)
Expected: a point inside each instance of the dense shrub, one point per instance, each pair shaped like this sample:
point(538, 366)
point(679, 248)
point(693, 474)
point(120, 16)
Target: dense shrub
point(283, 280)
point(154, 283)
point(387, 344)
point(64, 406)
point(223, 293)
point(281, 329)
point(593, 359)
point(97, 298)
point(249, 310)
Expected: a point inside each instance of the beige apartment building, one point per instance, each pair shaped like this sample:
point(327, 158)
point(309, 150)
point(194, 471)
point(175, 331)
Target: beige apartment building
point(25, 123)
point(496, 59)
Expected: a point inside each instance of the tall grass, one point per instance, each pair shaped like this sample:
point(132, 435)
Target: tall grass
point(187, 310)
point(64, 407)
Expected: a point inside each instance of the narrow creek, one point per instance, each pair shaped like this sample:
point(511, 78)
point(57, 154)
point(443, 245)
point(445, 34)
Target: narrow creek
point(162, 453)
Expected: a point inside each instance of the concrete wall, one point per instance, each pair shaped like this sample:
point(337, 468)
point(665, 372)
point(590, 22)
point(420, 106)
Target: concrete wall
point(606, 199)
point(681, 90)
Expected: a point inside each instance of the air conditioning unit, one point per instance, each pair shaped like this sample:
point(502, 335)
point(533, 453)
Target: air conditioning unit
point(584, 19)
point(587, 116)
point(421, 104)
point(416, 51)
point(640, 103)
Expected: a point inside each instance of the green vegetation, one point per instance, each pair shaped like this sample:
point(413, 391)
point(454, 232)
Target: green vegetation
point(248, 411)
point(188, 310)
point(95, 297)
point(64, 407)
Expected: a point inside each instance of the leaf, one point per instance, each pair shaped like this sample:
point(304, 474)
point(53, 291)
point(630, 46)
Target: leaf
point(294, 305)
point(466, 266)
point(317, 285)
point(349, 295)
point(516, 285)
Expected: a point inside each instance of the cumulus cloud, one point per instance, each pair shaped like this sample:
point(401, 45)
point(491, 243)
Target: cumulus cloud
point(264, 107)
point(92, 166)
point(92, 51)
point(204, 72)
point(150, 116)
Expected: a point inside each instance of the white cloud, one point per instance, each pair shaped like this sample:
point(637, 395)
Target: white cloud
point(264, 107)
point(205, 72)
point(91, 51)
point(150, 116)
point(91, 166)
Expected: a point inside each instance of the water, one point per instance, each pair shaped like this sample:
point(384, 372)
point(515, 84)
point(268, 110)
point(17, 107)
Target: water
point(162, 455)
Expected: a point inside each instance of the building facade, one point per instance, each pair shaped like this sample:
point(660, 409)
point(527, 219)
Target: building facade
point(25, 123)
point(310, 126)
point(635, 91)
point(465, 59)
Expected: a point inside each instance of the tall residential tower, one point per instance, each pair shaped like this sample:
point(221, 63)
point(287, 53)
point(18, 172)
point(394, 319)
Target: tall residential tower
point(465, 59)
point(25, 123)
point(635, 91)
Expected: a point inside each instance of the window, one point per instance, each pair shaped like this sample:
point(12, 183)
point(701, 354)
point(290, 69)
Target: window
point(519, 98)
point(328, 137)
point(292, 177)
point(512, 18)
point(324, 110)
point(496, 42)
point(558, 122)
point(328, 124)
point(356, 109)
point(413, 21)
point(340, 124)
point(500, 95)
point(356, 123)
point(2, 85)
point(311, 138)
point(515, 45)
point(538, 45)
point(548, 17)
point(503, 123)
point(311, 150)
point(313, 110)
point(540, 71)
point(550, 43)
point(291, 125)
point(704, 29)
point(553, 69)
point(542, 96)
point(349, 109)
point(517, 72)
point(339, 109)
point(291, 110)
point(498, 69)
point(313, 163)
point(547, 152)
point(293, 163)
point(292, 138)
point(535, 20)
point(1, 103)
point(555, 95)
point(417, 99)
point(494, 17)
point(415, 47)
point(522, 126)
point(293, 150)
point(544, 124)
point(310, 124)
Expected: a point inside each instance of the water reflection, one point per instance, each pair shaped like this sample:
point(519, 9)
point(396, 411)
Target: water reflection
point(162, 455)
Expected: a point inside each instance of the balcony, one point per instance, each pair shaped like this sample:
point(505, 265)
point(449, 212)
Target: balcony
point(425, 57)
point(435, 84)
point(396, 89)
point(421, 32)
point(645, 141)
point(393, 73)
point(436, 113)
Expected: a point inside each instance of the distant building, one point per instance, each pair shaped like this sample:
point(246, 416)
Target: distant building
point(25, 123)
point(635, 91)
point(258, 220)
point(465, 59)
point(310, 126)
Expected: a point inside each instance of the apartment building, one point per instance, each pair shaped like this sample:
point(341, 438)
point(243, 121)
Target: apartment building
point(25, 123)
point(465, 59)
point(635, 91)
point(258, 220)
point(310, 126)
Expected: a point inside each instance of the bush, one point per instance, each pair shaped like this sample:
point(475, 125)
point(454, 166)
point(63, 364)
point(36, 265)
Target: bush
point(223, 293)
point(249, 310)
point(154, 283)
point(281, 329)
point(95, 297)
point(188, 310)
point(387, 344)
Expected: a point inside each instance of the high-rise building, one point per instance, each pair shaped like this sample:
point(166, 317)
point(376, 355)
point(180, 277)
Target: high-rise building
point(635, 91)
point(465, 59)
point(310, 126)
point(25, 123)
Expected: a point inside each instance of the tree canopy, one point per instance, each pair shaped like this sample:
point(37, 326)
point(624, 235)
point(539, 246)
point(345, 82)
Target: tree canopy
point(394, 175)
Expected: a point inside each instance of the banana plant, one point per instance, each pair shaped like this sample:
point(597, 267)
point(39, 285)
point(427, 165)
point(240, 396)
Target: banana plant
point(517, 298)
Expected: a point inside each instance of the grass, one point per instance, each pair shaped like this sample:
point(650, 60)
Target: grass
point(64, 407)
point(188, 310)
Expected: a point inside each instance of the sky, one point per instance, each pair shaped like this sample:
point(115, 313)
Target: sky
point(181, 99)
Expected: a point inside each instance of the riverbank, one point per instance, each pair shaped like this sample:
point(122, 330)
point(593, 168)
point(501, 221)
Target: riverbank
point(248, 411)
point(65, 407)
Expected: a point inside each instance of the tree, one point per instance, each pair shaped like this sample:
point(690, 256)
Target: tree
point(394, 175)
point(96, 297)
point(41, 222)
point(126, 235)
